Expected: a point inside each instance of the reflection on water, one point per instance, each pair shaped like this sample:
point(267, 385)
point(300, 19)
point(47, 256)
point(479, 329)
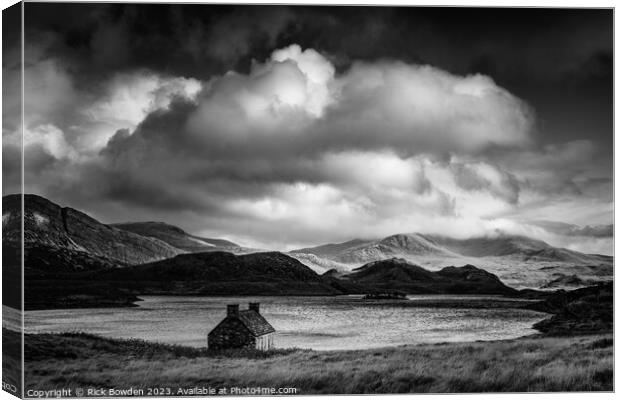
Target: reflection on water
point(322, 323)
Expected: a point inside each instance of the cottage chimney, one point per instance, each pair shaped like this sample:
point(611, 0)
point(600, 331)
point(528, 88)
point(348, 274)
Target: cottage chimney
point(255, 307)
point(232, 310)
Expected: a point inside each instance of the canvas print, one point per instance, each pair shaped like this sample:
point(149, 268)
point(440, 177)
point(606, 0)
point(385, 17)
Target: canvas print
point(204, 200)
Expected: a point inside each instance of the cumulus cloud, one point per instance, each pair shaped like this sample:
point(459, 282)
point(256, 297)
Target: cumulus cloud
point(51, 140)
point(291, 119)
point(418, 108)
point(67, 121)
point(293, 102)
point(128, 98)
point(293, 152)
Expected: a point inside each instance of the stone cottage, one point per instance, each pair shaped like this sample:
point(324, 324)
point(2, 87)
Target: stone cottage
point(242, 329)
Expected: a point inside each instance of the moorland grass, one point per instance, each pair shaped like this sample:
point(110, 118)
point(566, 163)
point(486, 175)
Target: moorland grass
point(535, 364)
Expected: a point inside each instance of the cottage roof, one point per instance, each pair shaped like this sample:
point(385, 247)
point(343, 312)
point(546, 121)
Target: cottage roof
point(255, 323)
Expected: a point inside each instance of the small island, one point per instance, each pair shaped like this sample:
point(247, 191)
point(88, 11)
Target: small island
point(393, 295)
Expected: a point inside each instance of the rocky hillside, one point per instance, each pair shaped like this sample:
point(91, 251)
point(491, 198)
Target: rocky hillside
point(392, 246)
point(175, 236)
point(47, 224)
point(398, 274)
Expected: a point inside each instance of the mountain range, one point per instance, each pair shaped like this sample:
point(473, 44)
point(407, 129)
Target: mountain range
point(518, 260)
point(71, 259)
point(47, 224)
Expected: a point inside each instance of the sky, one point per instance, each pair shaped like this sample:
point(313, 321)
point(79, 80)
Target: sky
point(281, 127)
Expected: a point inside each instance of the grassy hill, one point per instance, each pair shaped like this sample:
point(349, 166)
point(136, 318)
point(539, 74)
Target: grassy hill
point(175, 236)
point(218, 273)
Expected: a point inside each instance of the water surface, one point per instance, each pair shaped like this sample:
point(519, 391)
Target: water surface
point(321, 323)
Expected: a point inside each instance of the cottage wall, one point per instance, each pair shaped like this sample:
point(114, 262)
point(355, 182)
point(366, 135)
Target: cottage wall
point(231, 333)
point(264, 342)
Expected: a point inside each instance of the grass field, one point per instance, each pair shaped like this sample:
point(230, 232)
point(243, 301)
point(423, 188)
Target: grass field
point(11, 361)
point(583, 363)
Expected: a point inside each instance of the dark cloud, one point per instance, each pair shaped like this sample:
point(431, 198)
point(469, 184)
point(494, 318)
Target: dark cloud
point(533, 60)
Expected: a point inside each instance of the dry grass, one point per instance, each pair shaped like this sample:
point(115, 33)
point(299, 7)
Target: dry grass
point(522, 365)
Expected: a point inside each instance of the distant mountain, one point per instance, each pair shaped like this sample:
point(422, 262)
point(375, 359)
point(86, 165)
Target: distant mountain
point(517, 260)
point(393, 246)
point(497, 246)
point(319, 264)
point(175, 236)
point(332, 249)
point(48, 225)
point(362, 251)
point(503, 245)
point(516, 247)
point(398, 274)
point(358, 252)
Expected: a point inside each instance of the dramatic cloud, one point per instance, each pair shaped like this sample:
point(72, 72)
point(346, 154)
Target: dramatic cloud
point(127, 100)
point(291, 120)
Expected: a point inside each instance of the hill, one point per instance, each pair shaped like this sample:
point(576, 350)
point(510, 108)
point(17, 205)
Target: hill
point(175, 236)
point(398, 274)
point(49, 225)
point(319, 264)
point(221, 273)
point(579, 311)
